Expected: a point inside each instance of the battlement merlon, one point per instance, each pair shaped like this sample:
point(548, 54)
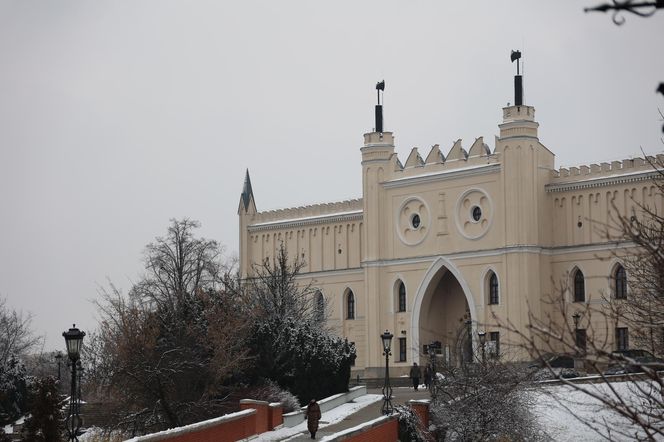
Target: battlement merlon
point(597, 175)
point(303, 213)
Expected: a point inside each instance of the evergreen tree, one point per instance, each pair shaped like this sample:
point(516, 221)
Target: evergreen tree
point(13, 390)
point(44, 423)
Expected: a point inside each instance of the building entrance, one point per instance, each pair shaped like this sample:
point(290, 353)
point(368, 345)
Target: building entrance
point(444, 315)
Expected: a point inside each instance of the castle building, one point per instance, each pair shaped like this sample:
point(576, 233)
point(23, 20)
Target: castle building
point(438, 245)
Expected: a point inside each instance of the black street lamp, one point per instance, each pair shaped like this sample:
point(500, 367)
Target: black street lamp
point(58, 357)
point(74, 342)
point(386, 338)
point(432, 355)
point(482, 335)
point(471, 353)
point(433, 347)
point(576, 317)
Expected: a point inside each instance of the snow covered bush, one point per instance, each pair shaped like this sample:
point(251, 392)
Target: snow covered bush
point(485, 401)
point(270, 391)
point(410, 425)
point(301, 358)
point(287, 340)
point(44, 423)
point(13, 390)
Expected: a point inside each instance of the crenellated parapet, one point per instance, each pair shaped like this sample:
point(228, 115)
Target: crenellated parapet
point(314, 210)
point(457, 158)
point(597, 175)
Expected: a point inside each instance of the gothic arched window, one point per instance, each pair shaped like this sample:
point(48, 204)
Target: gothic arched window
point(579, 287)
point(350, 305)
point(620, 282)
point(493, 289)
point(319, 307)
point(402, 296)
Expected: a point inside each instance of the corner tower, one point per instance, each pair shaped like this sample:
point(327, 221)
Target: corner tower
point(526, 169)
point(246, 210)
point(377, 166)
point(527, 165)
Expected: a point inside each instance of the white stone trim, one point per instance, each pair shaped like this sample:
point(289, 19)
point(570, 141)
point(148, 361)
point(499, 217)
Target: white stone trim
point(192, 428)
point(552, 251)
point(355, 215)
point(326, 273)
point(462, 172)
point(602, 182)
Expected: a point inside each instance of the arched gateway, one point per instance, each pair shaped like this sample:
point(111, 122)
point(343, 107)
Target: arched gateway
point(443, 304)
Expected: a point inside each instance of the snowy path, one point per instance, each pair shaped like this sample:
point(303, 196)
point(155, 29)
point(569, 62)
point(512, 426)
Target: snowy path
point(328, 418)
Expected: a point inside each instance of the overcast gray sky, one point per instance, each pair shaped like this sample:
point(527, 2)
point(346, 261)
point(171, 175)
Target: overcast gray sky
point(116, 116)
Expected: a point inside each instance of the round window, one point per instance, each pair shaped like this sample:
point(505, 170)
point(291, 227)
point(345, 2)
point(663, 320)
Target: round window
point(415, 221)
point(476, 213)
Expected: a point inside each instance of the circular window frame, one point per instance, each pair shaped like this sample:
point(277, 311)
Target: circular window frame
point(460, 213)
point(423, 220)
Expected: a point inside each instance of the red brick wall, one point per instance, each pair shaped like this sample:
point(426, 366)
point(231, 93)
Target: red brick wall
point(262, 413)
point(276, 416)
point(231, 431)
point(422, 410)
point(385, 432)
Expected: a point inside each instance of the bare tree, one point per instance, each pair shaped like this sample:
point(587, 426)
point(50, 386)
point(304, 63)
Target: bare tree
point(636, 398)
point(486, 399)
point(16, 337)
point(635, 303)
point(273, 291)
point(166, 350)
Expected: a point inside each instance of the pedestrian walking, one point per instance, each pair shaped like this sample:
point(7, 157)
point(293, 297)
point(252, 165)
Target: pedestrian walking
point(415, 375)
point(312, 416)
point(427, 377)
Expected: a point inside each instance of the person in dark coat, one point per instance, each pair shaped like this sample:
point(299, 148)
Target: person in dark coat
point(427, 377)
point(415, 375)
point(313, 416)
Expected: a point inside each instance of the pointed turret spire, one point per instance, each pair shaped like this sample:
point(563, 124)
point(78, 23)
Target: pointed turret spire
point(247, 196)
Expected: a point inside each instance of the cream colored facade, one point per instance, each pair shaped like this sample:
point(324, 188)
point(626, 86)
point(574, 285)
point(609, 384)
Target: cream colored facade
point(443, 225)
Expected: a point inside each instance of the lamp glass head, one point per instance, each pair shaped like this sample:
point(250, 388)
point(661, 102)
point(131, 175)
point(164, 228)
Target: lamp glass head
point(387, 340)
point(74, 341)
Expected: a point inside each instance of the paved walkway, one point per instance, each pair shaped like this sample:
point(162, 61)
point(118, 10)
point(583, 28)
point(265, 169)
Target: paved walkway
point(400, 395)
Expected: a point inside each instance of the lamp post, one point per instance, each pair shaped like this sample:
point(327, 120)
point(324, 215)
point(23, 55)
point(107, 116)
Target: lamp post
point(74, 341)
point(435, 345)
point(58, 357)
point(469, 325)
point(482, 335)
point(386, 338)
point(576, 317)
point(432, 356)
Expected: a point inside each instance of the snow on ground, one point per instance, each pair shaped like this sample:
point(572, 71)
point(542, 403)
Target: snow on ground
point(328, 418)
point(561, 423)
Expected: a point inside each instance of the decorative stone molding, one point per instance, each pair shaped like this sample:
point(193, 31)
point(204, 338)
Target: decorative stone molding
point(602, 182)
point(413, 221)
point(315, 210)
point(442, 175)
point(474, 213)
point(307, 221)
